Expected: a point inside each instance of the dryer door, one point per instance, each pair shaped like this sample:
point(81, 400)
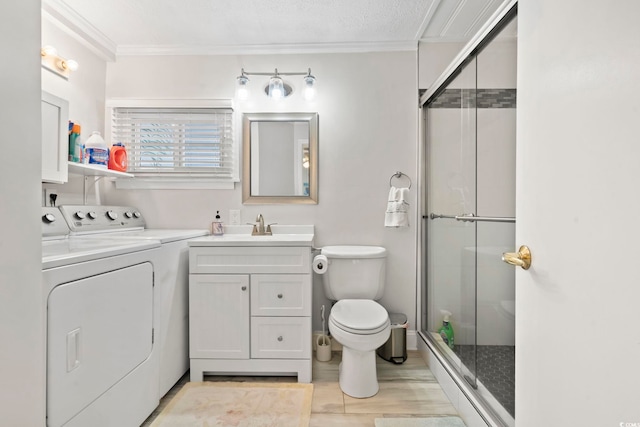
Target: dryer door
point(99, 330)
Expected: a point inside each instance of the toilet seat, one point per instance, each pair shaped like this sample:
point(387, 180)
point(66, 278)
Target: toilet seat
point(359, 316)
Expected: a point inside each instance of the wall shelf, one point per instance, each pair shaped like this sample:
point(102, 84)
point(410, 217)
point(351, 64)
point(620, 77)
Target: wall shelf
point(90, 170)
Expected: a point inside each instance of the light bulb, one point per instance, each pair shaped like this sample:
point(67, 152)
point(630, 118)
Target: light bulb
point(48, 51)
point(242, 93)
point(309, 87)
point(309, 93)
point(71, 64)
point(242, 89)
point(276, 88)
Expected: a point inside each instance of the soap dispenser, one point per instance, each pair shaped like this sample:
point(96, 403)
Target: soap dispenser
point(216, 227)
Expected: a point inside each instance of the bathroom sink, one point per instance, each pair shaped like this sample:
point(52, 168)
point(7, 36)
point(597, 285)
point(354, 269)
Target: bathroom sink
point(240, 235)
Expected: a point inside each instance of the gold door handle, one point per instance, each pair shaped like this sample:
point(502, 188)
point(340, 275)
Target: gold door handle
point(522, 258)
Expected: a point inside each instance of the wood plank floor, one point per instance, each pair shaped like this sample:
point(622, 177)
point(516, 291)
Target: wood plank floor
point(406, 390)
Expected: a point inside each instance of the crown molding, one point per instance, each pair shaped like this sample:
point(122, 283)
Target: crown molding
point(131, 50)
point(79, 28)
point(428, 17)
point(60, 14)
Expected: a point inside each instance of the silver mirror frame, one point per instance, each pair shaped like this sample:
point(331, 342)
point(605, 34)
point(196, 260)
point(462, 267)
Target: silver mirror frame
point(312, 119)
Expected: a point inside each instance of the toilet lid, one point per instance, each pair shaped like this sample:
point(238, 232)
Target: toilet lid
point(359, 315)
point(354, 252)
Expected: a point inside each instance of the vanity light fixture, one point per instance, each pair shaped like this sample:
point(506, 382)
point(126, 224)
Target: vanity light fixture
point(52, 62)
point(277, 88)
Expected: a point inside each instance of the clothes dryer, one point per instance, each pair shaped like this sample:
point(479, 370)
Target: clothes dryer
point(101, 357)
point(172, 276)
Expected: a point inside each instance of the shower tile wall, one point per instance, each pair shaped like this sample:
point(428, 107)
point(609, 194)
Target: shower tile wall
point(483, 98)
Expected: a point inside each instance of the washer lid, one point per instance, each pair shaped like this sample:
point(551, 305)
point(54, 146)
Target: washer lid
point(359, 314)
point(354, 252)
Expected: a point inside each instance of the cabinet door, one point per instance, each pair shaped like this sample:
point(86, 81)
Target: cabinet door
point(218, 316)
point(55, 138)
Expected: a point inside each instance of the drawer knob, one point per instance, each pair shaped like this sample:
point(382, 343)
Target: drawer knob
point(244, 288)
point(280, 296)
point(280, 338)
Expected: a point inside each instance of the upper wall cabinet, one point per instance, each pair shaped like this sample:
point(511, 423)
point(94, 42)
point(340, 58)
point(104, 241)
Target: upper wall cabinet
point(55, 138)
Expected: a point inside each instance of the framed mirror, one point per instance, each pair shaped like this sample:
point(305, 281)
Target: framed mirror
point(280, 158)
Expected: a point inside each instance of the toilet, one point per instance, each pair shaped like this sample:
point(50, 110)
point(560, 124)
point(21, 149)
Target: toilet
point(355, 279)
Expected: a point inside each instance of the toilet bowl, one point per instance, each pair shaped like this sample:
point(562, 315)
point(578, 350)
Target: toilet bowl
point(355, 278)
point(361, 326)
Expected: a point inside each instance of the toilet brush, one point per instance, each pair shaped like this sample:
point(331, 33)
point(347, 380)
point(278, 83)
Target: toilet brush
point(323, 344)
point(324, 328)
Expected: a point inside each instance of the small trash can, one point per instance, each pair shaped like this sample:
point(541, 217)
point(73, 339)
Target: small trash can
point(395, 349)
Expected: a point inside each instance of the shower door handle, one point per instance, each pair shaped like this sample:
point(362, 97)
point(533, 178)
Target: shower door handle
point(522, 258)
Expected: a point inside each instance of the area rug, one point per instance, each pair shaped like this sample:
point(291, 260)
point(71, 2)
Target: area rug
point(419, 422)
point(238, 404)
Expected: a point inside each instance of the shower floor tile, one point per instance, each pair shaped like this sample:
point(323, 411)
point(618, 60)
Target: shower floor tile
point(496, 369)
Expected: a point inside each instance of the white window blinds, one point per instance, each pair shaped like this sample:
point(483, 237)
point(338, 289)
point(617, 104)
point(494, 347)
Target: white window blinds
point(176, 142)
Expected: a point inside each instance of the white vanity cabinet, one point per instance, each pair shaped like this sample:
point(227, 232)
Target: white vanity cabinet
point(250, 307)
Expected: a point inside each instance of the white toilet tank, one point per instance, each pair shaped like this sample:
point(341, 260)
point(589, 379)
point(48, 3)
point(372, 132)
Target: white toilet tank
point(354, 272)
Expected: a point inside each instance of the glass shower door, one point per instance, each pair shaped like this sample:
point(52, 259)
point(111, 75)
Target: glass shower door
point(451, 188)
point(470, 200)
point(495, 188)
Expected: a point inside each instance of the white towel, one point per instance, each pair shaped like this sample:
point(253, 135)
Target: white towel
point(397, 214)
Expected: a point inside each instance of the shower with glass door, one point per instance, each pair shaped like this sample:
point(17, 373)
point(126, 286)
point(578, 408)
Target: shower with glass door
point(469, 220)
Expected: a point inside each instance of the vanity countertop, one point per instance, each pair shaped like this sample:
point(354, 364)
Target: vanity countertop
point(240, 235)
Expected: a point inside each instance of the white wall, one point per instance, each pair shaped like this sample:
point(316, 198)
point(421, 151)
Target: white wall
point(85, 92)
point(367, 106)
point(433, 59)
point(21, 316)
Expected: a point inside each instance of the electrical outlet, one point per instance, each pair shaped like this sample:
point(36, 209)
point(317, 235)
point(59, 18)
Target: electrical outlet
point(234, 216)
point(52, 197)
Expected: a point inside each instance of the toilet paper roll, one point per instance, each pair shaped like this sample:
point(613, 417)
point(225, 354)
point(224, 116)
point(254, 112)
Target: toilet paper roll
point(320, 264)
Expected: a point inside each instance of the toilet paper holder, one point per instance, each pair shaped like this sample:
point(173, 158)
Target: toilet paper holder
point(320, 264)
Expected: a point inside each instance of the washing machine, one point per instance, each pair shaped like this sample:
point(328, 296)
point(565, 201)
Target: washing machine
point(171, 274)
point(101, 358)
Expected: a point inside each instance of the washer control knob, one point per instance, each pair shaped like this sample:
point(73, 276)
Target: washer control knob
point(80, 215)
point(128, 214)
point(49, 218)
point(137, 214)
point(92, 215)
point(112, 215)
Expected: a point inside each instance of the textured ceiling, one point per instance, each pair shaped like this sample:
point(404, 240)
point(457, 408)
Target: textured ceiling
point(139, 25)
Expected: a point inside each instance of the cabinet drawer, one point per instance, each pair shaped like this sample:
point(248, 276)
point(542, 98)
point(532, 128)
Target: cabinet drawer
point(281, 294)
point(231, 259)
point(281, 337)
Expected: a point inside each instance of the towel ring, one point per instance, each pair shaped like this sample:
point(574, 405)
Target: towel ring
point(399, 174)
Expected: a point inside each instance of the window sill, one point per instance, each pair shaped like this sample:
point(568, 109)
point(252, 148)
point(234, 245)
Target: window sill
point(173, 184)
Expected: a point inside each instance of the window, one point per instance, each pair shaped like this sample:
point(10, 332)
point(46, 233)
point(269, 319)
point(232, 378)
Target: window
point(176, 144)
